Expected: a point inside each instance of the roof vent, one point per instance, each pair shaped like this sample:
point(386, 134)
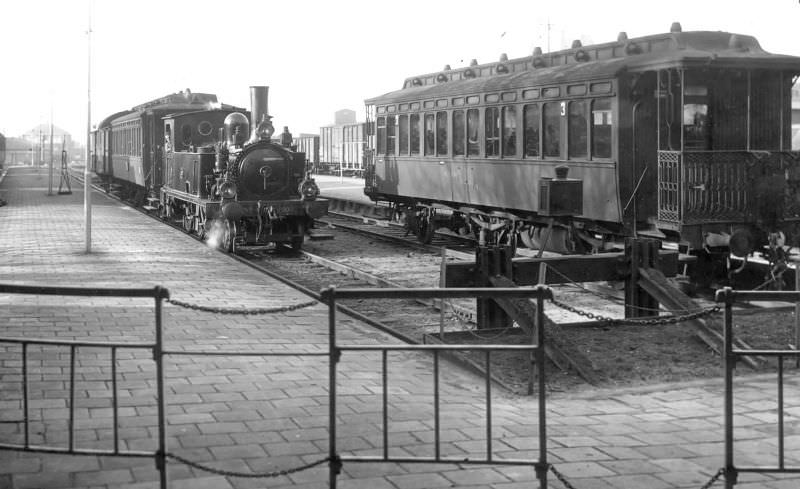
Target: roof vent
point(416, 82)
point(446, 68)
point(537, 51)
point(576, 44)
point(735, 42)
point(474, 62)
point(503, 58)
point(501, 68)
point(622, 36)
point(468, 73)
point(441, 78)
point(676, 27)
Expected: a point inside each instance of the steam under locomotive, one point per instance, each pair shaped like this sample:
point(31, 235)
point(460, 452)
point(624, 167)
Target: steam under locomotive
point(207, 165)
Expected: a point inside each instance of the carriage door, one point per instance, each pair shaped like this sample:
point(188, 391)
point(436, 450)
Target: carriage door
point(644, 177)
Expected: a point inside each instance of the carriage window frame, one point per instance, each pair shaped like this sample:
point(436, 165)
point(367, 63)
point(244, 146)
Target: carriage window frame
point(473, 132)
point(577, 129)
point(532, 125)
point(459, 133)
point(551, 119)
point(391, 134)
point(402, 136)
point(414, 139)
point(508, 134)
point(429, 134)
point(602, 118)
point(491, 132)
point(380, 135)
point(442, 133)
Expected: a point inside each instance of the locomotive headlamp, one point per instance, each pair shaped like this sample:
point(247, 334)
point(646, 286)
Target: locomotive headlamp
point(309, 189)
point(228, 190)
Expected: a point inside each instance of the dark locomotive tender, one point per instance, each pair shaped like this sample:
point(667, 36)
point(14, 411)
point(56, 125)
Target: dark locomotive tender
point(685, 136)
point(208, 168)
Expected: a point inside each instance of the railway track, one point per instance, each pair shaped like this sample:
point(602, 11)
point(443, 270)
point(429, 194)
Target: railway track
point(357, 256)
point(409, 321)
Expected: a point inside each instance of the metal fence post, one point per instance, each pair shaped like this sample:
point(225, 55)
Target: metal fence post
point(729, 363)
point(543, 466)
point(158, 356)
point(334, 464)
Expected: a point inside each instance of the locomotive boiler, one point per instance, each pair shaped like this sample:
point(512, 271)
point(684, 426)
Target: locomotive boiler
point(682, 136)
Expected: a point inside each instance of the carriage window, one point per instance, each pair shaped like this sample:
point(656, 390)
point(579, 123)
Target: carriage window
point(551, 115)
point(381, 136)
point(473, 123)
point(441, 133)
point(459, 133)
point(430, 135)
point(509, 131)
point(695, 126)
point(403, 127)
point(601, 128)
point(413, 127)
point(531, 131)
point(186, 135)
point(391, 128)
point(492, 131)
point(577, 129)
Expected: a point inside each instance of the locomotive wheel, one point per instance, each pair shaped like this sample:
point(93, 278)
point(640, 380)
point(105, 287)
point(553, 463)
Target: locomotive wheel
point(226, 242)
point(188, 224)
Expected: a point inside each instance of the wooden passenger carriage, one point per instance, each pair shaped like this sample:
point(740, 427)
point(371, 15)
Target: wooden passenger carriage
point(683, 135)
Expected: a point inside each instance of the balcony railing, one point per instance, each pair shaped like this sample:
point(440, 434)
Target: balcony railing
point(727, 186)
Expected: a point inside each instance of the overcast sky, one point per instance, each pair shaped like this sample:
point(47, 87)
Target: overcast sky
point(317, 56)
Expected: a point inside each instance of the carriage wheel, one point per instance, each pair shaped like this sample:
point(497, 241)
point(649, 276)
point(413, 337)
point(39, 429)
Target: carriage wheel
point(425, 227)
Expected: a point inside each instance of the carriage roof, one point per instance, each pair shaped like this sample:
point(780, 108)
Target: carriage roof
point(583, 63)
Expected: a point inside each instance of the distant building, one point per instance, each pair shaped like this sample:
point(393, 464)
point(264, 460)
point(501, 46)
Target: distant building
point(344, 116)
point(35, 144)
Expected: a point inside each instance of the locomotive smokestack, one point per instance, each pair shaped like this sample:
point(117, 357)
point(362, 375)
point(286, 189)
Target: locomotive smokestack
point(261, 125)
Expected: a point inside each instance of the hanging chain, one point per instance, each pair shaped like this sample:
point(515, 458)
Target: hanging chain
point(714, 479)
point(228, 310)
point(672, 319)
point(254, 475)
point(561, 477)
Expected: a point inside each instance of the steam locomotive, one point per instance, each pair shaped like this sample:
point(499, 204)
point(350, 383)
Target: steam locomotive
point(682, 136)
point(208, 165)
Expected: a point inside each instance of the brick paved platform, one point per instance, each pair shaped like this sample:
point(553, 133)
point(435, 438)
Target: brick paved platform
point(263, 414)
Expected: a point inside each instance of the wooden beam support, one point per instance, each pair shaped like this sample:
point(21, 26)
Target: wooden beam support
point(657, 285)
point(563, 269)
point(557, 347)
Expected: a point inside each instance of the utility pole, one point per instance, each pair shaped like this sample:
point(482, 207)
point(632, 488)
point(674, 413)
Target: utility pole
point(87, 178)
point(50, 173)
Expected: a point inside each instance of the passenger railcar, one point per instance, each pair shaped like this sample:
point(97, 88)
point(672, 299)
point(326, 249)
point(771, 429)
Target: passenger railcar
point(205, 164)
point(684, 136)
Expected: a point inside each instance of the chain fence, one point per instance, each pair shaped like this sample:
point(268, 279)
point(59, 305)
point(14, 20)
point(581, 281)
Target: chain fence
point(241, 311)
point(248, 475)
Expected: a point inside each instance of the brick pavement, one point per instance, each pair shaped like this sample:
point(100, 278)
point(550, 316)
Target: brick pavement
point(263, 414)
